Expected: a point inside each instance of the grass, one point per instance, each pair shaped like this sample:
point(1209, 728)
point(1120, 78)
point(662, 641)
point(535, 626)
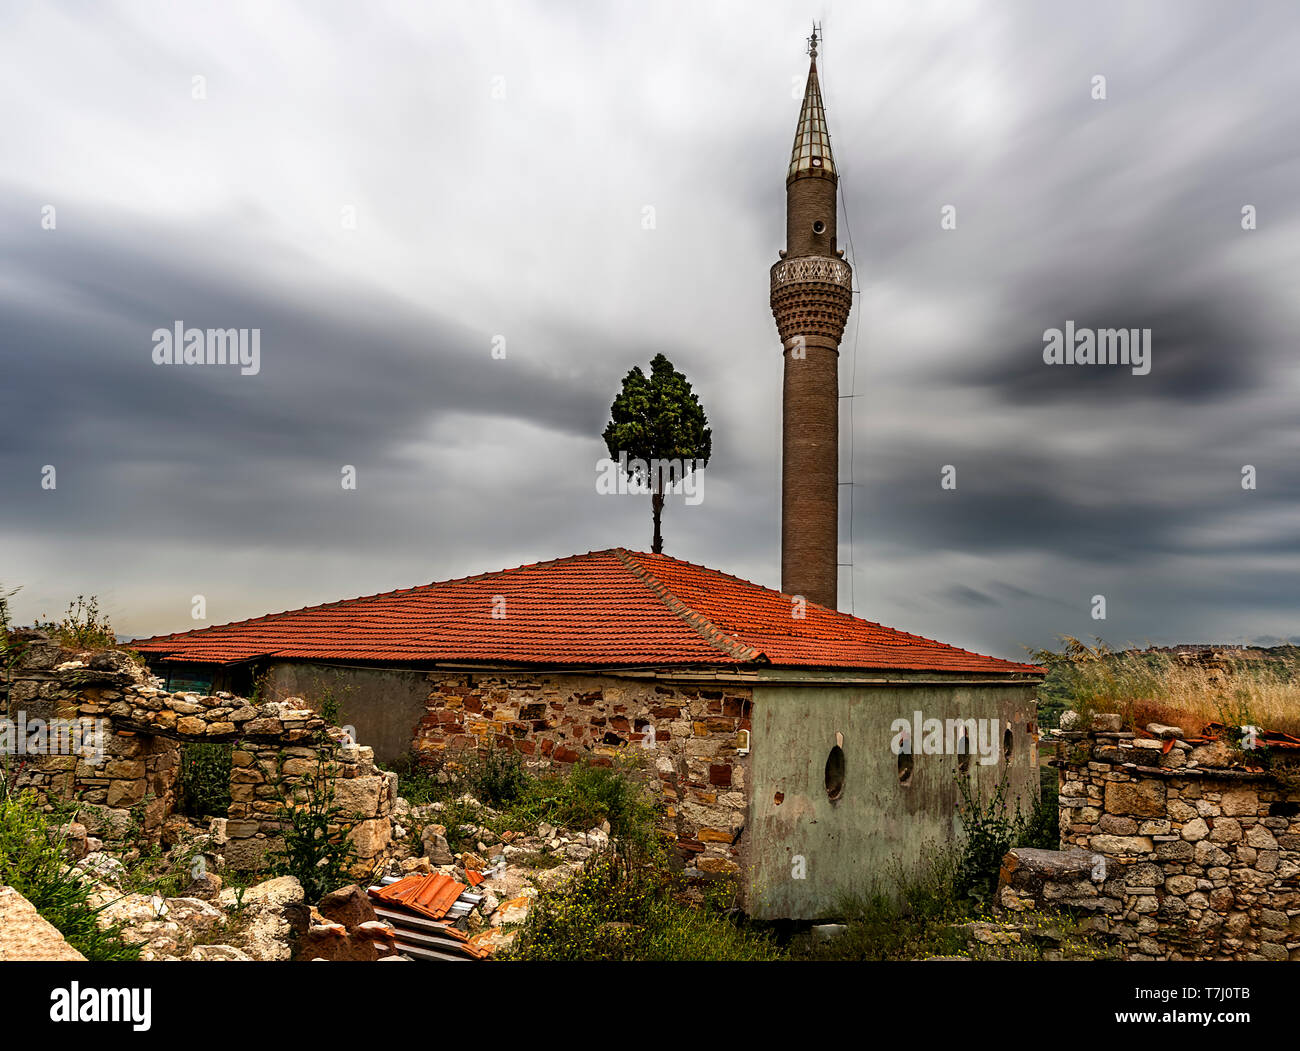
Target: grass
point(1147, 686)
point(83, 627)
point(914, 913)
point(152, 871)
point(905, 914)
point(623, 906)
point(33, 861)
point(204, 781)
point(576, 797)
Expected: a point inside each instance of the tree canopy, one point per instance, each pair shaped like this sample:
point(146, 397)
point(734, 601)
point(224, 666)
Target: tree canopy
point(658, 424)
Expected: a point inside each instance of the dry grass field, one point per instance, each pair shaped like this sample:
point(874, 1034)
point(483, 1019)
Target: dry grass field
point(1249, 687)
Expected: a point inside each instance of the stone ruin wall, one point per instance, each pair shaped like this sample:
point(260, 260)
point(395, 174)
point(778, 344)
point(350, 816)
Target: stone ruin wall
point(690, 737)
point(276, 748)
point(1199, 859)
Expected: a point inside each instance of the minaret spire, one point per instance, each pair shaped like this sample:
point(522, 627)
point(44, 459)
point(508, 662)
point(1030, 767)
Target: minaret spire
point(812, 141)
point(811, 295)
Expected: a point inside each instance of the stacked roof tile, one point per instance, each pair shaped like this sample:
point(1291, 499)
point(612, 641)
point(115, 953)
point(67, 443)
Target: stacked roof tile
point(430, 895)
point(422, 911)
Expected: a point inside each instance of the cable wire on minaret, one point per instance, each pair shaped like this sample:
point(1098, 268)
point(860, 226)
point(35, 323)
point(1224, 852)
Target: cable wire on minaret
point(853, 370)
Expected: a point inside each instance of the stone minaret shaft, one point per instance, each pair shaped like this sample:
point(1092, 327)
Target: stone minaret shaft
point(812, 292)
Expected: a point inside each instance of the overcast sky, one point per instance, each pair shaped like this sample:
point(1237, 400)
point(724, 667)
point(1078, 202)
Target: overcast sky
point(499, 160)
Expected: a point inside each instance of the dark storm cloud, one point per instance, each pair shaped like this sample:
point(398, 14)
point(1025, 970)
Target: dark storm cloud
point(1080, 506)
point(337, 383)
point(328, 364)
point(1201, 349)
point(964, 596)
point(521, 214)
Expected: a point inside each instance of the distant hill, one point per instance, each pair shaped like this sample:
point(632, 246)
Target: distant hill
point(1235, 650)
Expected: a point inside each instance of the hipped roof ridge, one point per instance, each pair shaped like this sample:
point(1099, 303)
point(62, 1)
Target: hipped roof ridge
point(706, 629)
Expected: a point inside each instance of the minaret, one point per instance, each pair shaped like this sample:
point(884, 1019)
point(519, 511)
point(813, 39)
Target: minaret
point(812, 292)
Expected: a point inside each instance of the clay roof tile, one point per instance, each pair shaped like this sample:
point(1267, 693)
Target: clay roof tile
point(605, 608)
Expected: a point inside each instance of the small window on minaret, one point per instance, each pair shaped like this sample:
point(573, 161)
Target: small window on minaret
point(819, 227)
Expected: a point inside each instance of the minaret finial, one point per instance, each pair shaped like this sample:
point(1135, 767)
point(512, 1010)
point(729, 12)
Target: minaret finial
point(811, 155)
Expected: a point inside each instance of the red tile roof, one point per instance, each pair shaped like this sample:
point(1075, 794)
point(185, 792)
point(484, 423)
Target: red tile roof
point(611, 608)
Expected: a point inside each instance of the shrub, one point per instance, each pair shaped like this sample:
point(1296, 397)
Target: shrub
point(905, 914)
point(315, 830)
point(418, 777)
point(326, 694)
point(263, 687)
point(583, 795)
point(1043, 827)
point(205, 780)
point(331, 708)
point(579, 797)
point(457, 814)
point(990, 830)
point(589, 794)
point(621, 907)
point(83, 627)
point(496, 777)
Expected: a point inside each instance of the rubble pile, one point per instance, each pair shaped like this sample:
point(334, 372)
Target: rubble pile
point(426, 903)
point(498, 880)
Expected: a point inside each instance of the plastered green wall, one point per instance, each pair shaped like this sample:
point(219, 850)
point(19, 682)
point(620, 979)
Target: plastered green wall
point(383, 705)
point(847, 842)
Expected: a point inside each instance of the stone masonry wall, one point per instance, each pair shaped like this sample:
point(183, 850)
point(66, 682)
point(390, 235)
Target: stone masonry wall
point(276, 748)
point(1179, 853)
point(690, 736)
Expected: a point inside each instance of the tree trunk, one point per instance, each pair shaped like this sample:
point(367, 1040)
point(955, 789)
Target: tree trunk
point(657, 506)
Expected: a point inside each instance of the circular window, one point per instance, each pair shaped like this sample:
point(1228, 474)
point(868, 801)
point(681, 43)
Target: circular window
point(819, 227)
point(835, 773)
point(1006, 745)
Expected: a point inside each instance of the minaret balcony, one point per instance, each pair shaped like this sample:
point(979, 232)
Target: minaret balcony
point(812, 269)
point(811, 297)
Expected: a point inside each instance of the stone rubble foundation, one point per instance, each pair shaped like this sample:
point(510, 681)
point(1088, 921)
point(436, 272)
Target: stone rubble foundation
point(280, 752)
point(1178, 850)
